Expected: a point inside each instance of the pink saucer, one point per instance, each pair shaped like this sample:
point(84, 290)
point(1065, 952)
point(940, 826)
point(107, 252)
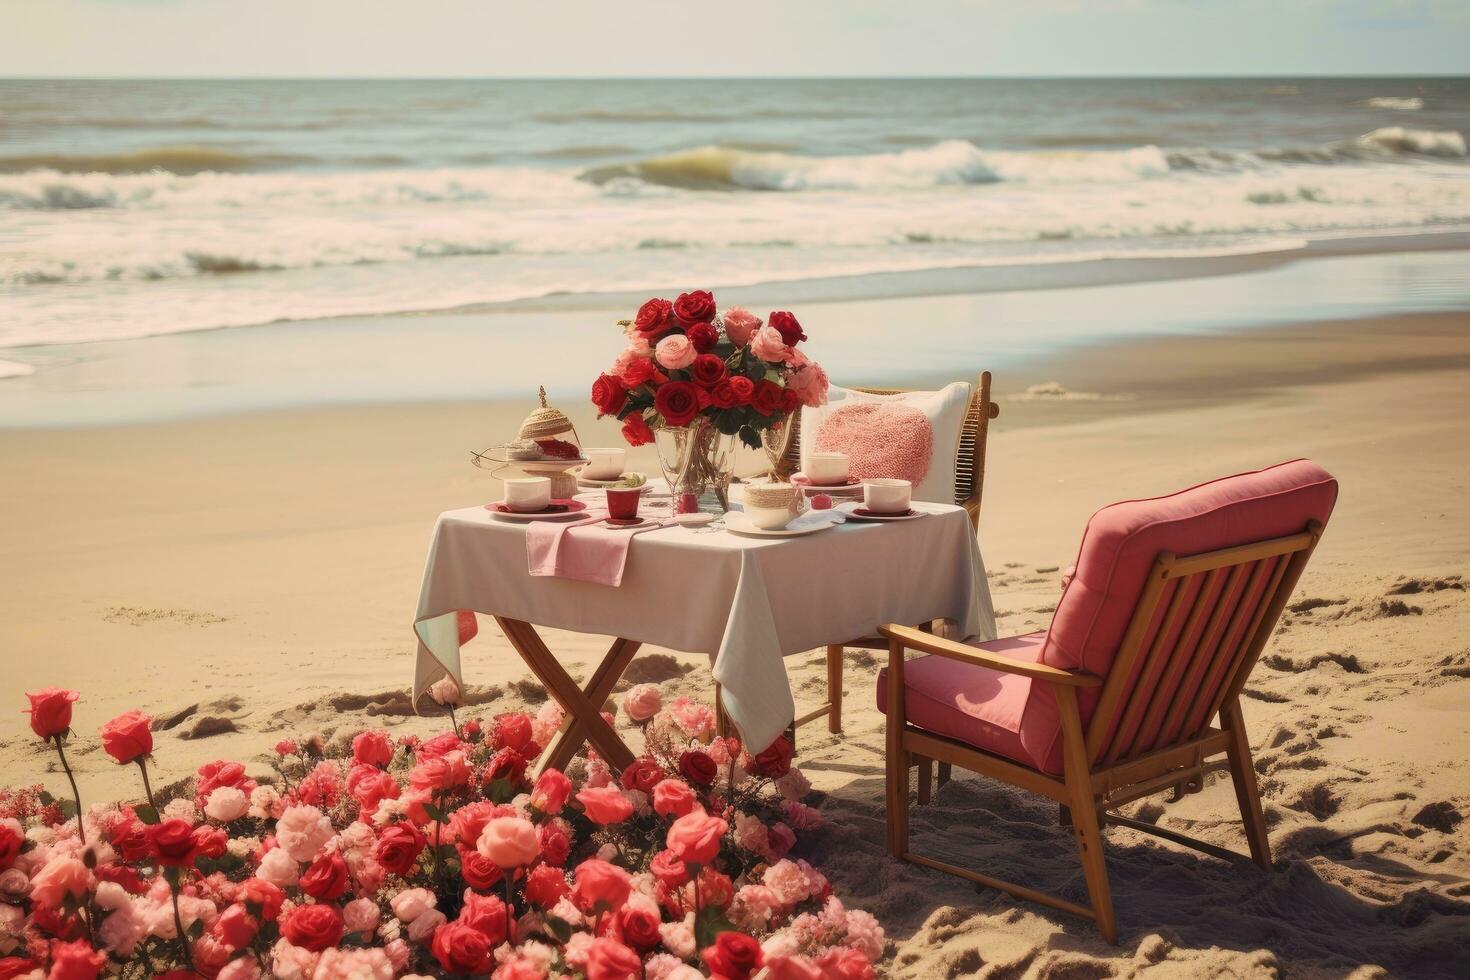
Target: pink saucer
point(555, 508)
point(803, 479)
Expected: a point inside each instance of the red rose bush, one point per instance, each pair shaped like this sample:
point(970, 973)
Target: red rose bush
point(687, 360)
point(381, 857)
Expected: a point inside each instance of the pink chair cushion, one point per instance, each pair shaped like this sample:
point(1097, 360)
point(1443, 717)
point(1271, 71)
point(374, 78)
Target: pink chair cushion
point(983, 707)
point(1118, 549)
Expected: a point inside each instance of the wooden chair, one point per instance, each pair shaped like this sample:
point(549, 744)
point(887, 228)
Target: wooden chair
point(1155, 636)
point(969, 487)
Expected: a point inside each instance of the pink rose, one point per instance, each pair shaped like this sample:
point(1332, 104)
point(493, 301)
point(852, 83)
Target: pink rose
point(605, 804)
point(781, 839)
point(675, 352)
point(411, 903)
point(372, 748)
point(642, 701)
point(695, 837)
point(791, 968)
point(446, 692)
point(509, 842)
point(58, 878)
point(740, 324)
point(302, 831)
point(226, 803)
point(279, 868)
point(361, 915)
point(424, 925)
point(551, 792)
point(697, 720)
point(600, 883)
point(673, 798)
point(767, 345)
point(240, 968)
point(810, 384)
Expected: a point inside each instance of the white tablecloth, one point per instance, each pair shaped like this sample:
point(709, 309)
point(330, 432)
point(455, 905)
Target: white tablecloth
point(747, 602)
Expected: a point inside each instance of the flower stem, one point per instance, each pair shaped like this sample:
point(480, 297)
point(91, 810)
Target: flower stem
point(508, 900)
point(75, 793)
point(173, 888)
point(454, 722)
point(147, 787)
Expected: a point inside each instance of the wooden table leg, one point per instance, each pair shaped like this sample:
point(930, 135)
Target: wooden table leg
point(574, 735)
point(559, 684)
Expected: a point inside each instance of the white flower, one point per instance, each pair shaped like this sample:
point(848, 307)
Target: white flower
point(180, 809)
point(226, 803)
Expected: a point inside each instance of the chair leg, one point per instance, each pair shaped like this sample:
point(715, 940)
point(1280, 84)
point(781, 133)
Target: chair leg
point(1084, 815)
point(926, 780)
point(1247, 794)
point(1064, 815)
point(896, 792)
point(834, 689)
point(944, 773)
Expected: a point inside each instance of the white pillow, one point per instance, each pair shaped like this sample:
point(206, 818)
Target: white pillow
point(945, 410)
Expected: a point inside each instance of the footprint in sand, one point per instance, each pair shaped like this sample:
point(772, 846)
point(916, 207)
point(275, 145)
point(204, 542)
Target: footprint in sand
point(138, 616)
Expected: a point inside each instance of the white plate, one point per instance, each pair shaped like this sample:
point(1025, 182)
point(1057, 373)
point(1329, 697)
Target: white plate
point(696, 519)
point(738, 523)
point(587, 483)
point(850, 508)
point(577, 509)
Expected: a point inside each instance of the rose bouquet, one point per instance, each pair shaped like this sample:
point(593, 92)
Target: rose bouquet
point(376, 857)
point(704, 374)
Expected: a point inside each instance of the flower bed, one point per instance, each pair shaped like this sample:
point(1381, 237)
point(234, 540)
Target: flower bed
point(378, 857)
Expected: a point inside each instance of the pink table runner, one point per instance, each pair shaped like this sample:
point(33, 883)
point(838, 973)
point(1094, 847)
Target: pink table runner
point(584, 549)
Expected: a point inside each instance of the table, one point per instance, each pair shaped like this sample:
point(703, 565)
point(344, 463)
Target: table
point(746, 602)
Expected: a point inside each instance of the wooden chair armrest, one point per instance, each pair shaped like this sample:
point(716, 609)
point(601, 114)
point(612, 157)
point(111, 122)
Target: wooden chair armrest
point(912, 639)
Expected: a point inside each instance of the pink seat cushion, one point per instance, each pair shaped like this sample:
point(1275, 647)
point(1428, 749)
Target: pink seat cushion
point(1119, 547)
point(983, 707)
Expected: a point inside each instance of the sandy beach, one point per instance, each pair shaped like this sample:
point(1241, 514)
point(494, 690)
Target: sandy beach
point(253, 574)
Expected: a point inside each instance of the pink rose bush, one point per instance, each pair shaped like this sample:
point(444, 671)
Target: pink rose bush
point(382, 857)
point(687, 364)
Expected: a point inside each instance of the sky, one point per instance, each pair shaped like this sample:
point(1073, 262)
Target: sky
point(763, 38)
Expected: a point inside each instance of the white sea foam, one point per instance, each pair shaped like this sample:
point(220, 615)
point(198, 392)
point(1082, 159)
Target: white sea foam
point(1405, 104)
point(12, 369)
point(1397, 139)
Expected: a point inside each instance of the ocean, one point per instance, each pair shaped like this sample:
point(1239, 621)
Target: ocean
point(135, 208)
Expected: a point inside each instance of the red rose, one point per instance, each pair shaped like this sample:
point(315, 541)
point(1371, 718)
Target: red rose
point(506, 764)
point(235, 927)
point(262, 896)
point(488, 915)
point(787, 327)
point(513, 731)
point(789, 400)
point(370, 786)
point(744, 389)
point(439, 746)
point(372, 748)
point(639, 928)
point(767, 399)
point(643, 775)
point(703, 336)
point(698, 767)
point(708, 370)
point(50, 711)
point(398, 847)
point(636, 431)
point(600, 883)
point(608, 959)
point(13, 966)
point(313, 927)
point(722, 395)
point(128, 736)
point(213, 775)
point(775, 760)
point(461, 948)
point(667, 868)
point(694, 307)
point(556, 843)
point(131, 839)
point(326, 879)
point(551, 792)
point(76, 960)
point(734, 955)
point(545, 886)
point(677, 402)
point(210, 842)
point(655, 318)
point(173, 842)
point(845, 963)
point(121, 874)
point(478, 871)
point(695, 837)
point(673, 798)
point(608, 394)
point(641, 371)
point(10, 845)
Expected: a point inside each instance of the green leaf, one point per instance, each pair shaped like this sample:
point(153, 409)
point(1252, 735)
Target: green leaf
point(708, 925)
point(560, 929)
point(68, 808)
point(502, 791)
point(146, 813)
point(750, 437)
point(45, 798)
point(435, 814)
point(196, 929)
point(728, 421)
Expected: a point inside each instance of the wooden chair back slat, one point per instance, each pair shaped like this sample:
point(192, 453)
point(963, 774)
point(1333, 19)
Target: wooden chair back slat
point(1166, 684)
point(969, 457)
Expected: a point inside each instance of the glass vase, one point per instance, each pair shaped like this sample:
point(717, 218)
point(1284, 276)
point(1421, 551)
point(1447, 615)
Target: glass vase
point(697, 461)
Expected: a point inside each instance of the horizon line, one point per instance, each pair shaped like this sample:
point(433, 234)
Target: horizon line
point(1167, 76)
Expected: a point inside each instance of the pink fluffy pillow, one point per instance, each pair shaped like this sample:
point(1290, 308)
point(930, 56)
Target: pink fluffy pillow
point(881, 439)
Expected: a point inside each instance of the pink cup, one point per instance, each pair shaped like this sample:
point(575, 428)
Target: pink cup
point(622, 503)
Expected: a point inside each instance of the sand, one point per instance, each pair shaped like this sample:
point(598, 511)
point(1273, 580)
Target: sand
point(254, 575)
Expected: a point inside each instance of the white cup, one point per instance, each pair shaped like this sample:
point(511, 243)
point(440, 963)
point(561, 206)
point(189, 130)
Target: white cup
point(827, 469)
point(885, 496)
point(604, 464)
point(527, 494)
point(771, 506)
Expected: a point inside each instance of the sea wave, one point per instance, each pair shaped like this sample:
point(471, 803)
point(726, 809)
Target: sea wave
point(1409, 104)
point(185, 159)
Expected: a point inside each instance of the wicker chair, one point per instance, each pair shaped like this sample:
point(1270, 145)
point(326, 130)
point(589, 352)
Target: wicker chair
point(969, 484)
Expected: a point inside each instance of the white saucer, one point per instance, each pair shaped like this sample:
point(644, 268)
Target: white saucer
point(575, 509)
point(587, 483)
point(737, 523)
point(697, 519)
point(851, 506)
